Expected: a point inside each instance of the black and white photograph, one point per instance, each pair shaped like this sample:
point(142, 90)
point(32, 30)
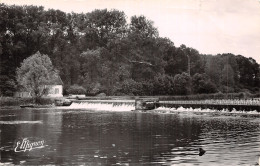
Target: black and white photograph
point(130, 82)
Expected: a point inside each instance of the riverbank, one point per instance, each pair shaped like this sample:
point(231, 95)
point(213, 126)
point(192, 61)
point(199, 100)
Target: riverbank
point(123, 103)
point(213, 96)
point(16, 102)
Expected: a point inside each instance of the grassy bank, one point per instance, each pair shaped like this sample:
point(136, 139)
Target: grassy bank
point(14, 101)
point(11, 101)
point(241, 95)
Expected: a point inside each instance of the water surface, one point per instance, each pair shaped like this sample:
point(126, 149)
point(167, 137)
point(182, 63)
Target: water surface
point(91, 137)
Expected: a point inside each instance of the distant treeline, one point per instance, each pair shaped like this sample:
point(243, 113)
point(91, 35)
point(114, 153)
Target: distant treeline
point(99, 52)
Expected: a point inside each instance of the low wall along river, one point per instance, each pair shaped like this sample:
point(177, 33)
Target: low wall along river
point(239, 105)
point(242, 105)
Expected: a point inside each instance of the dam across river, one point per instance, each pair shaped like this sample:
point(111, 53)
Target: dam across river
point(239, 105)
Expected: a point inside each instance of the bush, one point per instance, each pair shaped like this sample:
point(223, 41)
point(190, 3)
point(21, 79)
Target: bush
point(76, 90)
point(130, 86)
point(46, 100)
point(11, 101)
point(227, 89)
point(202, 84)
point(101, 95)
point(257, 95)
point(182, 84)
point(15, 101)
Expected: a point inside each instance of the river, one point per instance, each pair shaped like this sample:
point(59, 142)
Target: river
point(96, 137)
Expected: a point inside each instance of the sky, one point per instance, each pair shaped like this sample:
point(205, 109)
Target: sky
point(210, 26)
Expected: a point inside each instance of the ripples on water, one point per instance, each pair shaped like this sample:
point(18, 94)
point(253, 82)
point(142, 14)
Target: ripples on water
point(78, 137)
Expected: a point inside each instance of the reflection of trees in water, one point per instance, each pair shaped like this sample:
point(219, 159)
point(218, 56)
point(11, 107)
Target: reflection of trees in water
point(230, 135)
point(7, 137)
point(110, 137)
point(115, 137)
point(166, 132)
point(229, 130)
point(47, 131)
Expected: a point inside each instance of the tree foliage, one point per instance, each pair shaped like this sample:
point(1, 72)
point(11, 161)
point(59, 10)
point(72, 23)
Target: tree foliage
point(182, 84)
point(101, 52)
point(202, 84)
point(35, 73)
point(76, 89)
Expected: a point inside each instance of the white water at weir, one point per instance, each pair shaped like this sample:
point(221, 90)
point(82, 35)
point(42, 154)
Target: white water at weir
point(181, 109)
point(103, 106)
point(129, 106)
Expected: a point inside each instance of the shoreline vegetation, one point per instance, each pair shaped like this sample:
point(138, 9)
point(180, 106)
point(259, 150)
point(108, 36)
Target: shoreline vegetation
point(232, 98)
point(16, 101)
point(101, 52)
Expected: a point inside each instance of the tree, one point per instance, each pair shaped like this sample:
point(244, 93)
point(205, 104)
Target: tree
point(213, 69)
point(163, 84)
point(202, 84)
point(35, 73)
point(227, 76)
point(130, 87)
point(102, 52)
point(106, 25)
point(76, 90)
point(7, 86)
point(177, 61)
point(143, 27)
point(182, 84)
point(248, 71)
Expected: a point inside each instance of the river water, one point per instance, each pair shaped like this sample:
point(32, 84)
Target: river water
point(121, 137)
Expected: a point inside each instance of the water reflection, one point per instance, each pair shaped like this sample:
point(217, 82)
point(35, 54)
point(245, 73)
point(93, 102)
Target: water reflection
point(75, 137)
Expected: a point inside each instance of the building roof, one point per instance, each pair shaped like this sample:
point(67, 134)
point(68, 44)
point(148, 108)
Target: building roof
point(55, 81)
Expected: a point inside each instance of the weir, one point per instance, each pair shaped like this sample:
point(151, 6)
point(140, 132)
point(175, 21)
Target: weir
point(104, 105)
point(130, 105)
point(214, 104)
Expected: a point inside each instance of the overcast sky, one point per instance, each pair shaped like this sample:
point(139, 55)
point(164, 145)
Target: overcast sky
point(210, 26)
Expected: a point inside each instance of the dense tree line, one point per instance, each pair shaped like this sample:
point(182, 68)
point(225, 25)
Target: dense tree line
point(101, 52)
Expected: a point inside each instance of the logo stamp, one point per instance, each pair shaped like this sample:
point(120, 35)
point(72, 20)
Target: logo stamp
point(28, 144)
